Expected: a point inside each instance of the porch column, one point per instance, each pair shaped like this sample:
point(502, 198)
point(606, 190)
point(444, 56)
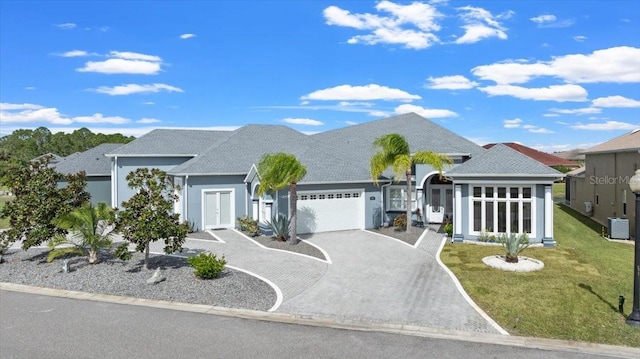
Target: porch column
point(547, 240)
point(457, 214)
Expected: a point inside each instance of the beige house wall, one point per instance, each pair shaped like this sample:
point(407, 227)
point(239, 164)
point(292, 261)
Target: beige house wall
point(606, 186)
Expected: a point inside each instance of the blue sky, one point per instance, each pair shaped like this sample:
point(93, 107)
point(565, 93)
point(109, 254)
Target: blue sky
point(553, 75)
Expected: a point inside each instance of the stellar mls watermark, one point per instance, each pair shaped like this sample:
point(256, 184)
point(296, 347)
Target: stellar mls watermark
point(610, 180)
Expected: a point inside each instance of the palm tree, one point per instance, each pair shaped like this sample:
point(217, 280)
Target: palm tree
point(393, 151)
point(278, 171)
point(91, 230)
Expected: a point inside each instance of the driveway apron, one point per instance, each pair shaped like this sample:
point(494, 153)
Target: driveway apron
point(377, 279)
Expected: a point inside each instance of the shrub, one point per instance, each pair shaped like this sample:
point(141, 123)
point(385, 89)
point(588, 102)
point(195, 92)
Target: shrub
point(400, 221)
point(249, 226)
point(513, 245)
point(280, 226)
point(486, 236)
point(207, 266)
point(448, 229)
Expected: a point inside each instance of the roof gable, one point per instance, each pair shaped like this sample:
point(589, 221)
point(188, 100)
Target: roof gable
point(543, 157)
point(629, 142)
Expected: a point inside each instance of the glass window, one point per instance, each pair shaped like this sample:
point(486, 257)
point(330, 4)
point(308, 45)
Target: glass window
point(304, 197)
point(513, 192)
point(338, 195)
point(313, 197)
point(502, 192)
point(477, 216)
point(330, 196)
point(503, 209)
point(321, 196)
point(488, 215)
point(526, 192)
point(502, 217)
point(515, 218)
point(526, 217)
point(356, 195)
point(477, 192)
point(347, 195)
point(435, 200)
point(488, 192)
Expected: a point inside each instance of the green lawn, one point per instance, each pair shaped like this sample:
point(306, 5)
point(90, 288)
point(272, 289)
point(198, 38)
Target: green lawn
point(558, 190)
point(575, 297)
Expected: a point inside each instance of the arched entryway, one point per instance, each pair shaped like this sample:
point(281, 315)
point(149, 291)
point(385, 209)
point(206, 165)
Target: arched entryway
point(437, 199)
point(261, 206)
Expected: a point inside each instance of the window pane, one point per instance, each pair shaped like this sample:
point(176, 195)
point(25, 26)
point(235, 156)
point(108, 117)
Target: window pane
point(448, 201)
point(526, 192)
point(488, 215)
point(477, 192)
point(502, 217)
point(435, 200)
point(526, 217)
point(477, 216)
point(488, 192)
point(513, 192)
point(515, 227)
point(502, 192)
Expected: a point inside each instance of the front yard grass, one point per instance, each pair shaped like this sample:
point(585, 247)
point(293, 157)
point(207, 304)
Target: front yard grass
point(575, 297)
point(558, 190)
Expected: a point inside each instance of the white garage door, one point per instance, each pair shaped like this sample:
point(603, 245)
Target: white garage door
point(326, 211)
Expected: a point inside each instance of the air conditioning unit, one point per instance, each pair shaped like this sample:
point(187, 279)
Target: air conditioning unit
point(618, 228)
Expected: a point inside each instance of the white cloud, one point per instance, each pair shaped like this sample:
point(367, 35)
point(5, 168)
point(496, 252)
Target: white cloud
point(148, 120)
point(577, 111)
point(550, 115)
point(606, 126)
point(410, 25)
point(122, 62)
point(357, 104)
point(539, 130)
point(456, 82)
point(4, 106)
point(615, 101)
point(579, 38)
point(303, 121)
point(148, 103)
point(127, 131)
point(74, 53)
point(29, 88)
point(350, 123)
point(480, 24)
point(558, 93)
point(361, 93)
point(187, 36)
point(31, 113)
point(515, 123)
point(100, 118)
point(543, 18)
point(616, 64)
point(135, 88)
point(66, 25)
point(425, 112)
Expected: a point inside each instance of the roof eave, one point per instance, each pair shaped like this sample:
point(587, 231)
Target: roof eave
point(149, 155)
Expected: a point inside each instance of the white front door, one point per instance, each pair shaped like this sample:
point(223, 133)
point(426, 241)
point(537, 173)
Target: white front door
point(218, 209)
point(267, 212)
point(440, 203)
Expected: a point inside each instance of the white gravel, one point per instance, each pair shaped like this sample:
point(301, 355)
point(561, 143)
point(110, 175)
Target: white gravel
point(233, 289)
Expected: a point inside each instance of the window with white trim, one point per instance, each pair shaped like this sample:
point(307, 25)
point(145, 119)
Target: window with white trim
point(502, 209)
point(397, 198)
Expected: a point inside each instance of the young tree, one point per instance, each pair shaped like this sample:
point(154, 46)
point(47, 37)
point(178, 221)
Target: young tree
point(393, 151)
point(91, 228)
point(41, 194)
point(278, 171)
point(146, 217)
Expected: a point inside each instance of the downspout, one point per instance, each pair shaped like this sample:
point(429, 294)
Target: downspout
point(382, 201)
point(186, 198)
point(115, 192)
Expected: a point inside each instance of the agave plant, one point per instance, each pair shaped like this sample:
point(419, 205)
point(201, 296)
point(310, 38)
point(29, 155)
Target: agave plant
point(513, 244)
point(90, 230)
point(280, 226)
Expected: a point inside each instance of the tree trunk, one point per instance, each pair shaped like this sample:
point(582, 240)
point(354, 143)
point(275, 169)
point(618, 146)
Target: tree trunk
point(93, 256)
point(511, 259)
point(293, 204)
point(408, 200)
point(146, 256)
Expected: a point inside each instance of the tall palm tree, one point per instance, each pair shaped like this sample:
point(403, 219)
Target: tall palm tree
point(393, 151)
point(278, 171)
point(91, 230)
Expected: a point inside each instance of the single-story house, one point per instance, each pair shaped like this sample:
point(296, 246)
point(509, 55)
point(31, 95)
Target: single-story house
point(601, 188)
point(97, 168)
point(496, 190)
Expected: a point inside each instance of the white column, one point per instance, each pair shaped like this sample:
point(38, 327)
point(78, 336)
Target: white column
point(457, 204)
point(548, 212)
point(113, 183)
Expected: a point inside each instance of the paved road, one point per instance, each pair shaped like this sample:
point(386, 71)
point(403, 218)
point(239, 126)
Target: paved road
point(33, 326)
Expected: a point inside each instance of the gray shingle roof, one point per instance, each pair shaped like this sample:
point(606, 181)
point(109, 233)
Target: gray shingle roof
point(421, 134)
point(92, 161)
point(172, 142)
point(502, 161)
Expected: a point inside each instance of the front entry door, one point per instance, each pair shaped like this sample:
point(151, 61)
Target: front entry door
point(217, 210)
point(440, 203)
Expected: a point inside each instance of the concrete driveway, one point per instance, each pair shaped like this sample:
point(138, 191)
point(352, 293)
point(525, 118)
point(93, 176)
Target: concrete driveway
point(378, 279)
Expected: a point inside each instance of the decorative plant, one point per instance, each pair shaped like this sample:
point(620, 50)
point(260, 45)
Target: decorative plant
point(249, 226)
point(280, 226)
point(486, 236)
point(400, 221)
point(448, 229)
point(207, 266)
point(513, 244)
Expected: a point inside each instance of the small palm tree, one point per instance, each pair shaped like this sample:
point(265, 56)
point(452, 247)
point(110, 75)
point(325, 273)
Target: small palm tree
point(393, 151)
point(91, 230)
point(278, 171)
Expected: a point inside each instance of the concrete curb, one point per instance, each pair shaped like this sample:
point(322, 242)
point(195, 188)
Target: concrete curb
point(533, 343)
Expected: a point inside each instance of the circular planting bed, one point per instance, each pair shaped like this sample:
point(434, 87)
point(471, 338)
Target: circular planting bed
point(525, 264)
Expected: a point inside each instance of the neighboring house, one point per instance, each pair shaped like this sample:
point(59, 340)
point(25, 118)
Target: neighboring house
point(575, 155)
point(53, 158)
point(551, 160)
point(97, 168)
point(216, 171)
point(601, 189)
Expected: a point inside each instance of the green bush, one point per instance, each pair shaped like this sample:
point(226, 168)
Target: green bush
point(448, 229)
point(513, 245)
point(400, 221)
point(280, 226)
point(249, 226)
point(207, 266)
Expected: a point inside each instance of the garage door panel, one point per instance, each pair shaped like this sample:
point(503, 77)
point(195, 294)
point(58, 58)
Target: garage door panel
point(329, 211)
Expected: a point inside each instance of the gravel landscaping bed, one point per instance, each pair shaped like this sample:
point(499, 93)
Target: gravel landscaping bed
point(409, 238)
point(233, 289)
point(301, 247)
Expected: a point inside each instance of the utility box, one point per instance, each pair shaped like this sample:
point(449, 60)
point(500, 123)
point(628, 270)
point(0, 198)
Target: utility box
point(618, 228)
